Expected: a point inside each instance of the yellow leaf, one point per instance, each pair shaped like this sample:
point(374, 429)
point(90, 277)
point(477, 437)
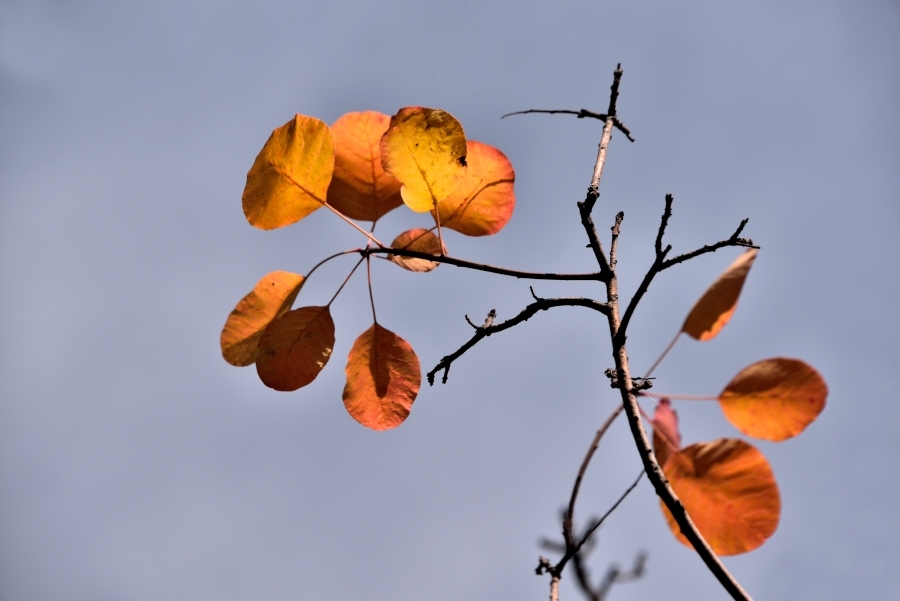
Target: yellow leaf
point(484, 201)
point(383, 379)
point(729, 490)
point(774, 399)
point(290, 177)
point(270, 298)
point(295, 347)
point(717, 305)
point(360, 188)
point(419, 240)
point(426, 150)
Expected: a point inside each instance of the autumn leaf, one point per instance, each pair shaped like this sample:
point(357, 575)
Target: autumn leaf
point(270, 298)
point(290, 177)
point(383, 379)
point(360, 188)
point(426, 150)
point(717, 305)
point(666, 437)
point(295, 347)
point(419, 240)
point(728, 489)
point(484, 201)
point(774, 399)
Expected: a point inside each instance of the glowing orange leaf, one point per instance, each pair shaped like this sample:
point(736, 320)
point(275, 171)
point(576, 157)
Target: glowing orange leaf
point(383, 379)
point(774, 399)
point(717, 305)
point(666, 437)
point(426, 150)
point(420, 240)
point(360, 188)
point(270, 298)
point(484, 201)
point(290, 177)
point(728, 489)
point(295, 347)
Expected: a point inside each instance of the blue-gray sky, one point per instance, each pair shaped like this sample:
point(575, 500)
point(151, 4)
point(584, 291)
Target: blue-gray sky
point(135, 464)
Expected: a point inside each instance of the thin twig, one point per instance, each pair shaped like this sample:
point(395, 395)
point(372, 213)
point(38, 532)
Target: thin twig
point(570, 512)
point(614, 243)
point(597, 523)
point(541, 304)
point(661, 264)
point(528, 275)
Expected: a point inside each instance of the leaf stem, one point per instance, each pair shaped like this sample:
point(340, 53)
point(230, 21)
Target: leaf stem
point(346, 279)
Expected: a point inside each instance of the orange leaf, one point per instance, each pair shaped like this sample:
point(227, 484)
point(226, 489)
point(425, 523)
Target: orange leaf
point(728, 489)
point(383, 379)
point(774, 399)
point(290, 177)
point(420, 240)
point(717, 305)
point(270, 298)
point(666, 437)
point(295, 347)
point(426, 150)
point(360, 188)
point(484, 201)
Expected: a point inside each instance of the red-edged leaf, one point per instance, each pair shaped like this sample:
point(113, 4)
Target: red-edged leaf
point(360, 188)
point(729, 490)
point(383, 379)
point(774, 399)
point(295, 347)
point(715, 308)
point(666, 437)
point(484, 201)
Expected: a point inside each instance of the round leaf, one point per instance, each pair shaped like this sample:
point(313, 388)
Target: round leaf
point(383, 379)
point(420, 240)
point(270, 298)
point(360, 188)
point(295, 347)
point(717, 305)
point(484, 201)
point(774, 399)
point(290, 177)
point(728, 489)
point(426, 150)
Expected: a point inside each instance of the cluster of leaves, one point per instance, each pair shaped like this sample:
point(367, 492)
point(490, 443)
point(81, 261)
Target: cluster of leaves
point(360, 168)
point(727, 485)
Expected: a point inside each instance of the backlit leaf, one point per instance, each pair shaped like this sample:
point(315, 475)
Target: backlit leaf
point(666, 437)
point(290, 177)
point(270, 298)
point(426, 150)
point(717, 305)
point(295, 347)
point(728, 489)
point(484, 201)
point(360, 188)
point(383, 379)
point(420, 240)
point(774, 399)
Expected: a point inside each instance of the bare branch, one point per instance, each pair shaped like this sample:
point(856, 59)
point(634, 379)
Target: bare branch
point(541, 304)
point(597, 523)
point(617, 331)
point(580, 114)
point(528, 275)
point(667, 212)
point(734, 240)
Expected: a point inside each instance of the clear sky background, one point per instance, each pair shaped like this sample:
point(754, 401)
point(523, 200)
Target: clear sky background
point(135, 464)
